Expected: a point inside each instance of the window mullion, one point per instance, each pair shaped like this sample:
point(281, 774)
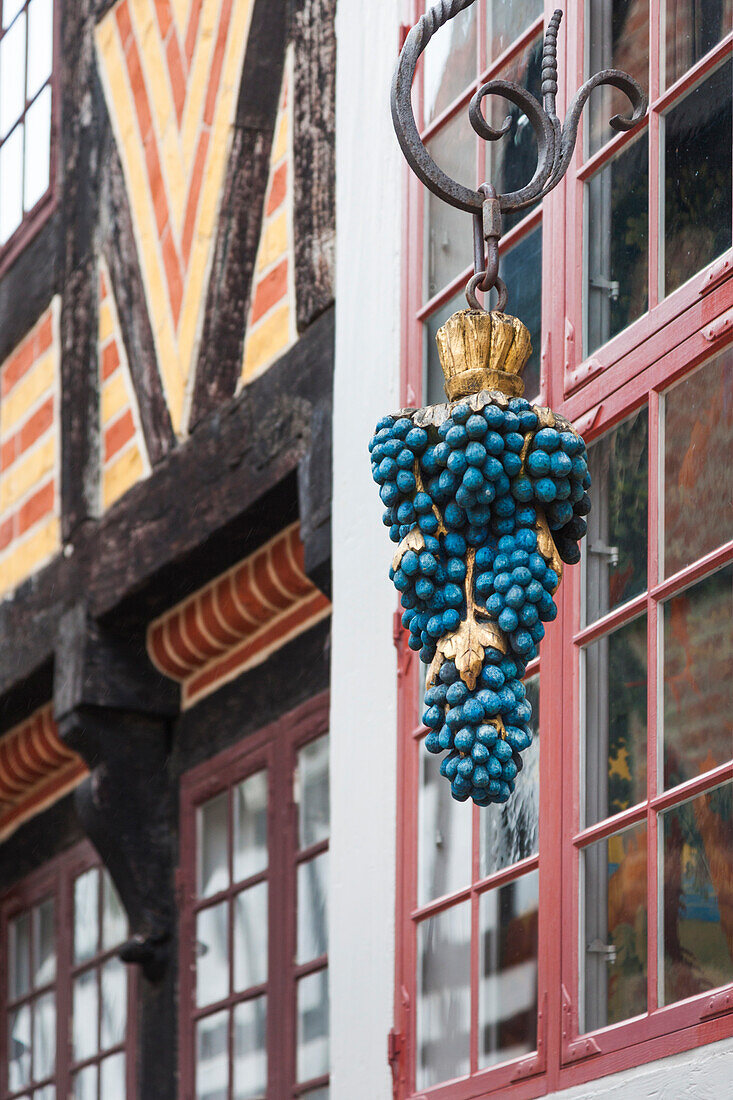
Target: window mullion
point(654, 543)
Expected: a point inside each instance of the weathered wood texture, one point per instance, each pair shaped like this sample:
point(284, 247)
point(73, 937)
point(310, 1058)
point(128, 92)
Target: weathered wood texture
point(220, 357)
point(314, 165)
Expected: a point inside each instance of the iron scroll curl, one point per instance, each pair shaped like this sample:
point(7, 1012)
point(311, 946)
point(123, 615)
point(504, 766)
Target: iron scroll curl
point(555, 143)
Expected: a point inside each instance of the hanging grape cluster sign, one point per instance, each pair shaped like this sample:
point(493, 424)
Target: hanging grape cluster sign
point(486, 498)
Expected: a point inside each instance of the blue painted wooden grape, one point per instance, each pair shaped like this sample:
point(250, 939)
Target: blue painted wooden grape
point(485, 498)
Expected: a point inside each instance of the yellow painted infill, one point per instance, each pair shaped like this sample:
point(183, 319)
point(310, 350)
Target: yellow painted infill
point(106, 323)
point(266, 341)
point(38, 381)
point(280, 146)
point(24, 557)
point(274, 240)
point(115, 396)
point(121, 474)
point(28, 472)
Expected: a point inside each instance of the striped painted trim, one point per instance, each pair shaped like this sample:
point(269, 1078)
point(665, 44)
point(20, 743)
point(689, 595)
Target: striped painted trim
point(36, 769)
point(237, 620)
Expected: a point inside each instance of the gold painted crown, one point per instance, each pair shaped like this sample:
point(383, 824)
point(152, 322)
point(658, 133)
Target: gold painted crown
point(483, 351)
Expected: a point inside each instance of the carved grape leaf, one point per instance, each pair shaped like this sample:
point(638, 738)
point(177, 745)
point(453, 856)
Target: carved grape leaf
point(467, 647)
point(413, 540)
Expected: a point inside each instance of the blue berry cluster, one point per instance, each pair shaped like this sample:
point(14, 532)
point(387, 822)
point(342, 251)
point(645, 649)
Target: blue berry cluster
point(466, 501)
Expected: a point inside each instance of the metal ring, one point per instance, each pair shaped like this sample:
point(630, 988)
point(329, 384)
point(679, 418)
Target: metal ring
point(474, 284)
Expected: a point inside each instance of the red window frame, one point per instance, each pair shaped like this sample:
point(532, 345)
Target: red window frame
point(56, 879)
point(37, 216)
point(679, 332)
point(276, 748)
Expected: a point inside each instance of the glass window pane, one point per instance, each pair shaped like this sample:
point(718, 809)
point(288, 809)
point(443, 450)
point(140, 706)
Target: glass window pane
point(44, 1036)
point(37, 149)
point(615, 721)
point(444, 843)
point(114, 1003)
point(521, 270)
point(698, 895)
point(12, 76)
point(313, 1026)
point(508, 970)
point(86, 915)
point(314, 792)
point(617, 235)
point(10, 10)
point(250, 826)
point(322, 1093)
point(213, 870)
point(212, 1057)
point(615, 928)
point(112, 1082)
point(618, 38)
point(44, 943)
point(19, 1048)
point(443, 996)
point(250, 1049)
point(212, 949)
point(506, 20)
point(434, 382)
point(511, 832)
point(19, 969)
point(114, 918)
point(85, 1084)
point(450, 62)
point(615, 550)
point(698, 458)
point(511, 162)
point(86, 1010)
point(698, 686)
point(250, 937)
point(11, 193)
point(48, 1092)
point(697, 178)
point(40, 44)
point(313, 908)
point(692, 29)
point(448, 232)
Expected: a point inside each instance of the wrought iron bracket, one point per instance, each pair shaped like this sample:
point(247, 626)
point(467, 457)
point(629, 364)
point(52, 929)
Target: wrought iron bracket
point(555, 142)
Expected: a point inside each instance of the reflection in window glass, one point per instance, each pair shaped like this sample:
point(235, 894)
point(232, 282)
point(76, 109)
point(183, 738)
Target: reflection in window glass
point(508, 970)
point(698, 459)
point(19, 970)
point(698, 686)
point(86, 1014)
point(40, 45)
point(250, 826)
point(511, 832)
point(212, 1057)
point(615, 928)
point(449, 62)
point(506, 20)
point(434, 385)
point(114, 1003)
point(250, 1049)
point(448, 233)
point(37, 149)
point(697, 178)
point(615, 549)
point(692, 29)
point(212, 950)
point(698, 896)
point(443, 996)
point(617, 234)
point(44, 1036)
point(86, 915)
point(314, 792)
point(313, 1051)
point(213, 843)
point(618, 38)
point(11, 175)
point(521, 270)
point(313, 908)
point(19, 1047)
point(112, 1084)
point(44, 943)
point(444, 844)
point(12, 76)
point(85, 1084)
point(250, 937)
point(615, 721)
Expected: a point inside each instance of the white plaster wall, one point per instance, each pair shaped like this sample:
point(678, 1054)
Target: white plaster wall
point(702, 1074)
point(363, 668)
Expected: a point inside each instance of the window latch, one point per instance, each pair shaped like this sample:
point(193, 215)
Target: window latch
point(611, 285)
point(610, 552)
point(608, 950)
